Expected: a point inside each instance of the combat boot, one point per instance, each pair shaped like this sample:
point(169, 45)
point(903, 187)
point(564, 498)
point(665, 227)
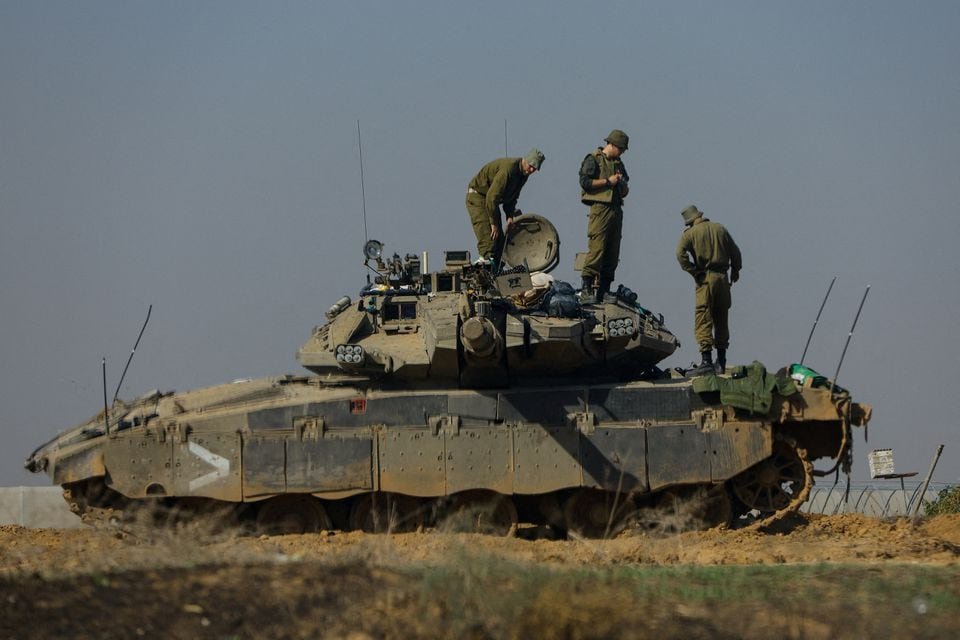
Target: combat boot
point(587, 294)
point(721, 360)
point(704, 368)
point(603, 288)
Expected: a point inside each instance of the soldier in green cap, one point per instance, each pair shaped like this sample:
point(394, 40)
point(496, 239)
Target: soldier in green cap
point(706, 251)
point(603, 186)
point(497, 185)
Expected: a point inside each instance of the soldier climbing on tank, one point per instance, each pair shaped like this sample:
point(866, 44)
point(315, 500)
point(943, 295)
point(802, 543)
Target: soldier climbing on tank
point(603, 186)
point(496, 185)
point(706, 251)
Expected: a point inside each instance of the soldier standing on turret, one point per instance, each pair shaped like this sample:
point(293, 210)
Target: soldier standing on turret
point(705, 251)
point(496, 185)
point(603, 186)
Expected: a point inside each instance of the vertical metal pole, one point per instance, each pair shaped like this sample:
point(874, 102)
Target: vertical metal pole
point(926, 482)
point(846, 495)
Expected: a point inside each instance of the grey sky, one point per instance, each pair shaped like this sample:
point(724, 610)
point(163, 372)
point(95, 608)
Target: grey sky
point(202, 157)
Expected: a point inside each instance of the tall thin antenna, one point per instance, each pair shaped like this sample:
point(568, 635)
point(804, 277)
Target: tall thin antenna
point(814, 327)
point(505, 152)
point(849, 335)
point(106, 409)
point(363, 194)
point(132, 351)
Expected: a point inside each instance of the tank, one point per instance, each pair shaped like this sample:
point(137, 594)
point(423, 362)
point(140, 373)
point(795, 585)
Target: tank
point(476, 396)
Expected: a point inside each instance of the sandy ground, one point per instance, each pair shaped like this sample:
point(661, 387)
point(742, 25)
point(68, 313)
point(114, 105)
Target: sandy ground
point(148, 583)
point(849, 538)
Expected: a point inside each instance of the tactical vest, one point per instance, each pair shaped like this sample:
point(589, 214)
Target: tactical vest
point(608, 168)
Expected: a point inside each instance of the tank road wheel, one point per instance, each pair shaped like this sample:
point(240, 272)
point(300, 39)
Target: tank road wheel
point(695, 507)
point(778, 485)
point(591, 513)
point(292, 513)
point(482, 512)
point(385, 513)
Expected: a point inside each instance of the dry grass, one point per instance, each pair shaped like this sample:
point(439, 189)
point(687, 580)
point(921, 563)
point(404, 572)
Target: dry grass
point(198, 579)
point(492, 598)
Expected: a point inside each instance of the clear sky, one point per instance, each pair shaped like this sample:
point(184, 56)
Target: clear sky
point(202, 157)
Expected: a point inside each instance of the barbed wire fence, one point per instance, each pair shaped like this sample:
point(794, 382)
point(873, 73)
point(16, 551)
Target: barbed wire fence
point(872, 499)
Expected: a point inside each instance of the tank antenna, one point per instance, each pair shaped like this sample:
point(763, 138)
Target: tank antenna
point(132, 351)
point(106, 409)
point(833, 382)
point(814, 327)
point(505, 137)
point(363, 195)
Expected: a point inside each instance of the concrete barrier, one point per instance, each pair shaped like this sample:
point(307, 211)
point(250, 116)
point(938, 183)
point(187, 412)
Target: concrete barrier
point(36, 507)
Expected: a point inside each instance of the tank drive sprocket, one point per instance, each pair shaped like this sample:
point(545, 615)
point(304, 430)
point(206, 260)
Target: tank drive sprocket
point(777, 486)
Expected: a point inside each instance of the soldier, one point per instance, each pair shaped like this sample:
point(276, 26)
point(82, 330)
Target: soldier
point(713, 251)
point(496, 185)
point(603, 186)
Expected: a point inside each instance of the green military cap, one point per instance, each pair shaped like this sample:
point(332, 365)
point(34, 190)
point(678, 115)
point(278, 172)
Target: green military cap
point(534, 158)
point(618, 139)
point(690, 214)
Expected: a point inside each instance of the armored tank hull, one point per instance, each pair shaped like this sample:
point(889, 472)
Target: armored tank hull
point(479, 395)
point(305, 453)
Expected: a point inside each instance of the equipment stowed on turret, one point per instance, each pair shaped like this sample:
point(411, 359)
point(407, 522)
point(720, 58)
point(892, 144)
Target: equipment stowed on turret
point(470, 390)
point(467, 325)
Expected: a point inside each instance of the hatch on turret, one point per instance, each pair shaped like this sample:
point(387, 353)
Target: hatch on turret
point(532, 240)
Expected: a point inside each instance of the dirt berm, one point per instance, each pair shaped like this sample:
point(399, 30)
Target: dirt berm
point(845, 576)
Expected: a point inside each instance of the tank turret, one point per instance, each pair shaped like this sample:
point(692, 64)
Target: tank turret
point(480, 325)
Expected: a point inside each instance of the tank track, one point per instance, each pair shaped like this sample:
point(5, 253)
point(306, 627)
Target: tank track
point(801, 497)
point(100, 507)
point(77, 497)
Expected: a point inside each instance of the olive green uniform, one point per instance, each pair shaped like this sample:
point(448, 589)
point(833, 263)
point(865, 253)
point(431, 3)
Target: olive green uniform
point(706, 251)
point(497, 184)
point(605, 217)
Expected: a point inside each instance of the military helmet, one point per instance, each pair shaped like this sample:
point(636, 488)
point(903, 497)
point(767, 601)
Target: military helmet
point(690, 214)
point(534, 158)
point(618, 139)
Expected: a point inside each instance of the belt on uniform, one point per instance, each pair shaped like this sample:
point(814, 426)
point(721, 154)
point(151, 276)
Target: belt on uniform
point(716, 270)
